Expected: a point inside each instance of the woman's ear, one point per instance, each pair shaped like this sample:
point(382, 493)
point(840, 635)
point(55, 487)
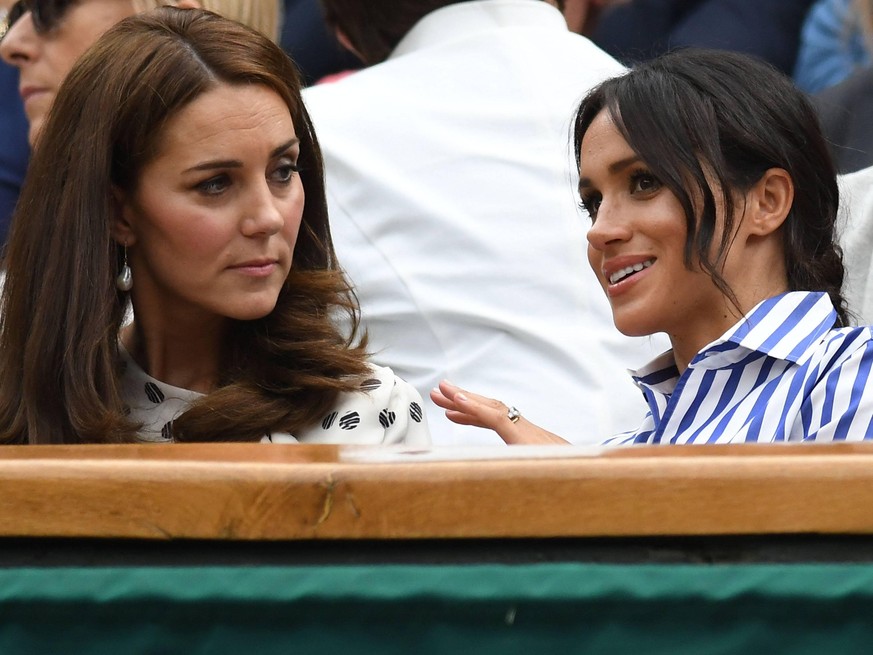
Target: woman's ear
point(122, 226)
point(768, 202)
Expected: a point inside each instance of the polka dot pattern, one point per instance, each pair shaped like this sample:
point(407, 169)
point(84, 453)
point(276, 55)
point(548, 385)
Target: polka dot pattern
point(384, 410)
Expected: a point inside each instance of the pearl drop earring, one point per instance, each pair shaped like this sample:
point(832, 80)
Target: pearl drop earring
point(124, 281)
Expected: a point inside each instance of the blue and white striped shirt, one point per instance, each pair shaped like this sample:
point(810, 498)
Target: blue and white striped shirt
point(782, 373)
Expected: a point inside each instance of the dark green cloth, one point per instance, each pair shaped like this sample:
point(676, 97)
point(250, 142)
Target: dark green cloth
point(419, 609)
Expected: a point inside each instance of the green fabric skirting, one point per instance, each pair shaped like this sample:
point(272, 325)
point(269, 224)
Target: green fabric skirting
point(420, 609)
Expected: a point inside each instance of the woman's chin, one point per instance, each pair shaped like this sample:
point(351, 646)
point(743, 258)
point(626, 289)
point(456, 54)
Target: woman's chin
point(632, 327)
point(251, 311)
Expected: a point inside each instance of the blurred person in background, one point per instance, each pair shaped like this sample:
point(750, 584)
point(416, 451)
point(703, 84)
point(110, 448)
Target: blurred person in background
point(46, 37)
point(856, 239)
point(836, 41)
point(14, 149)
point(834, 63)
point(311, 44)
point(638, 30)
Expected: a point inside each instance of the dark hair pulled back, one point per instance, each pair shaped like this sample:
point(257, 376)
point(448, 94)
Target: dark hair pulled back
point(710, 123)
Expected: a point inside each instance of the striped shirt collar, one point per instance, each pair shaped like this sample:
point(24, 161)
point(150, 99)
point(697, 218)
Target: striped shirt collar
point(782, 327)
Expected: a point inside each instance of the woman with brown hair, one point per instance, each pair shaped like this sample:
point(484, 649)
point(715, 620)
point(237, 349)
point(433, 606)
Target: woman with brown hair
point(171, 172)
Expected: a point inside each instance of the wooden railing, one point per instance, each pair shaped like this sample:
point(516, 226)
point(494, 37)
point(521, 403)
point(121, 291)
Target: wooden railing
point(276, 492)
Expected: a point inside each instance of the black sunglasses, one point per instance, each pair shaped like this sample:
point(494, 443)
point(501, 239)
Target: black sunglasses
point(45, 14)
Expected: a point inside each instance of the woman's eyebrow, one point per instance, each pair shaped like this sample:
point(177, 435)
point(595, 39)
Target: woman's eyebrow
point(613, 168)
point(285, 146)
point(236, 163)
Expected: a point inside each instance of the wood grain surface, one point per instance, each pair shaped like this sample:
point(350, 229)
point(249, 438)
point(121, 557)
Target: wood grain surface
point(272, 492)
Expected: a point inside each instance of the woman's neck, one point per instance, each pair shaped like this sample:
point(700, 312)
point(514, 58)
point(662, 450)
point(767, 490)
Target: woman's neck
point(185, 356)
point(687, 346)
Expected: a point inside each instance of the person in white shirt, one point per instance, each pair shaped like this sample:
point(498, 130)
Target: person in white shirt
point(856, 239)
point(178, 171)
point(452, 210)
point(714, 203)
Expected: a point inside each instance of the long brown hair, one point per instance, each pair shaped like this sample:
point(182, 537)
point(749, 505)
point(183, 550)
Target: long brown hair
point(61, 312)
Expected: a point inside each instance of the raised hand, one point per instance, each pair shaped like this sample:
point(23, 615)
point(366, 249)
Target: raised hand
point(466, 408)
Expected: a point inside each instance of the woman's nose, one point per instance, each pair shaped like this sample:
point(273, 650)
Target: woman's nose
point(264, 215)
point(20, 42)
point(608, 228)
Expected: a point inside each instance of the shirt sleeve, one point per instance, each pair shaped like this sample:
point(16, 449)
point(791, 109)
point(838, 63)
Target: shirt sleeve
point(386, 410)
point(642, 435)
point(840, 406)
point(410, 425)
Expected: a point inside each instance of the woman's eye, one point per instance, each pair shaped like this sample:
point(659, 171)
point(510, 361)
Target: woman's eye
point(284, 172)
point(214, 185)
point(591, 204)
point(643, 182)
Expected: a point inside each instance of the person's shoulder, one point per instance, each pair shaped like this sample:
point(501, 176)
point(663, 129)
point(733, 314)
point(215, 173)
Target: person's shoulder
point(383, 379)
point(346, 84)
point(842, 345)
point(855, 220)
point(339, 107)
point(383, 409)
point(393, 396)
point(857, 186)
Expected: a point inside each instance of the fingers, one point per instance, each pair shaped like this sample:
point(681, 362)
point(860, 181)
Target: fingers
point(441, 400)
point(467, 408)
point(462, 418)
point(453, 399)
point(486, 412)
point(459, 395)
point(450, 390)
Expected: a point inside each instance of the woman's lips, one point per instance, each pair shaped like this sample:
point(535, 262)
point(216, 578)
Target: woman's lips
point(620, 276)
point(627, 271)
point(29, 91)
point(30, 94)
point(256, 268)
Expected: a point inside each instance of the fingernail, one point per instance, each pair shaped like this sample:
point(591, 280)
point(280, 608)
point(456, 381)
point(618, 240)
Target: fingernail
point(461, 397)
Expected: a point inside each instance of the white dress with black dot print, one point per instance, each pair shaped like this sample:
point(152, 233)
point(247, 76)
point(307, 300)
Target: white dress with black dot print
point(386, 410)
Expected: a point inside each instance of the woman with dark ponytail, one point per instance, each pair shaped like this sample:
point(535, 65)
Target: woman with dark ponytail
point(713, 203)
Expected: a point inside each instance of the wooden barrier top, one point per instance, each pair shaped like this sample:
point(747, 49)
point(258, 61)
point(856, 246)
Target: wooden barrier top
point(273, 492)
